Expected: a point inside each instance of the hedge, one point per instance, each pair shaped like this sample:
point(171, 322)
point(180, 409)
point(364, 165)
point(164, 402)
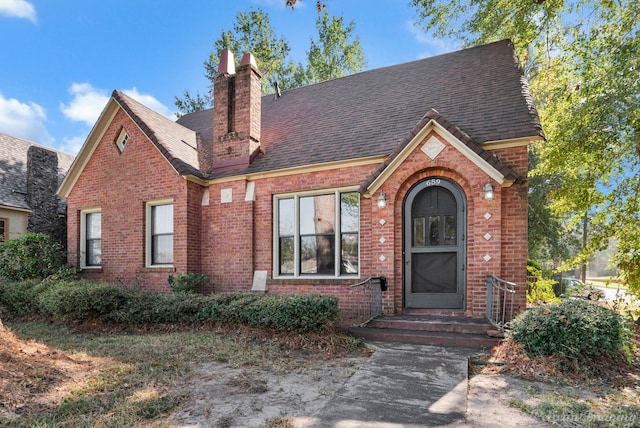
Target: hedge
point(80, 300)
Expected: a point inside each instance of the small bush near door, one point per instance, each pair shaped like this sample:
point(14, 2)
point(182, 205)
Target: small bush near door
point(574, 328)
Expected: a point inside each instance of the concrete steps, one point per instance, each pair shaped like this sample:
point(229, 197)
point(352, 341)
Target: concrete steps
point(454, 331)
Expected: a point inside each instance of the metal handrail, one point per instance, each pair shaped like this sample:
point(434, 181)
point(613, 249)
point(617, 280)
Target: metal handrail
point(366, 300)
point(500, 294)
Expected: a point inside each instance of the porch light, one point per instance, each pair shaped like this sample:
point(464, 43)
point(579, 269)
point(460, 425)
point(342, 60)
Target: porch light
point(488, 192)
point(382, 200)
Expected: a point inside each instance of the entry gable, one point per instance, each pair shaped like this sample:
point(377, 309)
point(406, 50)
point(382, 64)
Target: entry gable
point(433, 121)
point(177, 144)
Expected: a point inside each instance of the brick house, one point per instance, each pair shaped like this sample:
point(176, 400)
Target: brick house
point(416, 172)
point(29, 178)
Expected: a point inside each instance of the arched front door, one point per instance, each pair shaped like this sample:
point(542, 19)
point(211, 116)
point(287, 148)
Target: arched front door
point(435, 257)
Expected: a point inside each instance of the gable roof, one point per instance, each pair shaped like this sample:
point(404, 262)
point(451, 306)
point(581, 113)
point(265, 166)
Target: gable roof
point(13, 170)
point(177, 143)
point(481, 90)
point(487, 161)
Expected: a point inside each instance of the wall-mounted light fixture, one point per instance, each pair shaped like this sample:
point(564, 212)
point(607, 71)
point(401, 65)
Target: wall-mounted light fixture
point(488, 192)
point(382, 200)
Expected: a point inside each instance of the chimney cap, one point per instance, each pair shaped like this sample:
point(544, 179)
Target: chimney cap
point(227, 63)
point(249, 59)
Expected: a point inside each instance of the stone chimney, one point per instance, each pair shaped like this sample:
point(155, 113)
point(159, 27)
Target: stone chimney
point(236, 112)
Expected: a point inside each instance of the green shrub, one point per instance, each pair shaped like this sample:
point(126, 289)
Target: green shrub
point(81, 300)
point(187, 283)
point(574, 328)
point(20, 297)
point(33, 255)
point(539, 288)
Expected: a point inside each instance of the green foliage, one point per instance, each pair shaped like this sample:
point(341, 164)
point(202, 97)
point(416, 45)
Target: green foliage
point(336, 53)
point(187, 283)
point(79, 300)
point(333, 55)
point(574, 328)
point(539, 288)
point(582, 63)
point(33, 255)
point(19, 297)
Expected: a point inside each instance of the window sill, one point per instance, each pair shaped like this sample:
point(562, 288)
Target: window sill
point(305, 280)
point(159, 268)
point(92, 269)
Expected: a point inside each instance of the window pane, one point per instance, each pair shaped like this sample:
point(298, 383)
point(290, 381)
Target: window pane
point(3, 230)
point(162, 252)
point(94, 225)
point(162, 219)
point(349, 212)
point(418, 232)
point(94, 252)
point(286, 256)
point(317, 214)
point(286, 215)
point(450, 230)
point(317, 255)
point(434, 232)
point(349, 257)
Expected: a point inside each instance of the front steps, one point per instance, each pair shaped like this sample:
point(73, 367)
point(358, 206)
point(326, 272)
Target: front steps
point(454, 331)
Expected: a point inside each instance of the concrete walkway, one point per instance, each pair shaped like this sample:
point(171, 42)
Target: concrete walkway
point(418, 386)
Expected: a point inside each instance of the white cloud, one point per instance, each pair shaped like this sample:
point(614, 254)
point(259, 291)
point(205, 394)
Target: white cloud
point(150, 102)
point(88, 102)
point(434, 45)
point(72, 145)
point(86, 105)
point(18, 9)
point(23, 120)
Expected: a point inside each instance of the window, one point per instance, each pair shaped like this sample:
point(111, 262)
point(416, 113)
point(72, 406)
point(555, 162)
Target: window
point(317, 234)
point(160, 233)
point(91, 238)
point(122, 140)
point(4, 229)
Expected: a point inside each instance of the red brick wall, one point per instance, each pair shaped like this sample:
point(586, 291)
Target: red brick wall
point(515, 225)
point(120, 184)
point(229, 241)
point(238, 236)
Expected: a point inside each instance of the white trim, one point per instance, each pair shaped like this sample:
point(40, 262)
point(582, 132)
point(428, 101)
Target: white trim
point(122, 139)
point(434, 126)
point(296, 231)
point(147, 233)
point(513, 142)
point(83, 237)
point(89, 146)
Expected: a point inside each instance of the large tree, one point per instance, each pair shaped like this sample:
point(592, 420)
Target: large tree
point(252, 32)
point(336, 52)
point(581, 58)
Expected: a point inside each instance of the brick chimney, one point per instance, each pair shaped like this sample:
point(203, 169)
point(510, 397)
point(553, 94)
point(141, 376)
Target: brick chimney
point(236, 112)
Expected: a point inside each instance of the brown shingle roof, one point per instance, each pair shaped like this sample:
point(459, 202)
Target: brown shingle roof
point(176, 142)
point(481, 90)
point(13, 170)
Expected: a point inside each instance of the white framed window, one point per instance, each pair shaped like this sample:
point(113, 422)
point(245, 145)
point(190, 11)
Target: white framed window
point(122, 140)
point(91, 238)
point(159, 233)
point(316, 234)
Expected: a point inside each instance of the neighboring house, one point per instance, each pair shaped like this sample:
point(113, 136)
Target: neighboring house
point(416, 172)
point(29, 178)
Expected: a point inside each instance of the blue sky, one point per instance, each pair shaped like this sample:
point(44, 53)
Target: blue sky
point(61, 59)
